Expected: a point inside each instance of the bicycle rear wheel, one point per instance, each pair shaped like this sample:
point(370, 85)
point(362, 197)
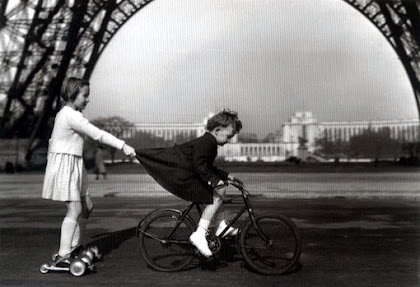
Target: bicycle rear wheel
point(281, 249)
point(165, 253)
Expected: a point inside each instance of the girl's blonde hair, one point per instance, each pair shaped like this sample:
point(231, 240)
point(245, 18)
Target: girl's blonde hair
point(223, 119)
point(71, 87)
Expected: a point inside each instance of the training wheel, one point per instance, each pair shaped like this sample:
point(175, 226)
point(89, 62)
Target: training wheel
point(95, 251)
point(86, 259)
point(88, 253)
point(44, 268)
point(77, 267)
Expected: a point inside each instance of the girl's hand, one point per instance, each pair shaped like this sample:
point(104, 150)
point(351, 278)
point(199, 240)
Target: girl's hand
point(128, 150)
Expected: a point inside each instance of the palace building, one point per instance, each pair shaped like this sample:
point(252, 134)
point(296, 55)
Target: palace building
point(166, 131)
point(302, 129)
point(303, 125)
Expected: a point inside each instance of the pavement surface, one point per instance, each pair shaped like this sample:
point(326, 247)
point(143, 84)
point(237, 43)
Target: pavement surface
point(270, 185)
point(346, 242)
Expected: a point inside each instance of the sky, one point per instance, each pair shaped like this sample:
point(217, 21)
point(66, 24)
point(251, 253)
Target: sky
point(176, 61)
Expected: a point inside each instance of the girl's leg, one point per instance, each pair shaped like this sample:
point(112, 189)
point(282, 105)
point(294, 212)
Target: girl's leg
point(74, 209)
point(220, 221)
point(221, 224)
point(210, 211)
point(198, 238)
point(87, 207)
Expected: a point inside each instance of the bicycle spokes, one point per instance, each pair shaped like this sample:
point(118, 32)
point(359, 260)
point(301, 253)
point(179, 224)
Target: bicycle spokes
point(277, 251)
point(163, 247)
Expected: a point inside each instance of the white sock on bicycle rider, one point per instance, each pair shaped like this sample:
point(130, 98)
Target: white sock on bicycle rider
point(203, 226)
point(67, 231)
point(79, 233)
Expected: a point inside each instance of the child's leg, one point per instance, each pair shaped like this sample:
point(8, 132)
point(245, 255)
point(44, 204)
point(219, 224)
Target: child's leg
point(198, 238)
point(74, 209)
point(219, 218)
point(221, 224)
point(87, 207)
point(211, 210)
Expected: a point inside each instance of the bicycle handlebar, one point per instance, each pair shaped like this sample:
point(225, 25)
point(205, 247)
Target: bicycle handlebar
point(236, 183)
point(239, 185)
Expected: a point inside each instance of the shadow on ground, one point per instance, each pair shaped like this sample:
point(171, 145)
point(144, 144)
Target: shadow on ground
point(106, 242)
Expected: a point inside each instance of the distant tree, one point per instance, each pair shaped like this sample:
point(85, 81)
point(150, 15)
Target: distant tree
point(114, 125)
point(270, 138)
point(247, 138)
point(410, 149)
point(331, 149)
point(374, 144)
point(146, 140)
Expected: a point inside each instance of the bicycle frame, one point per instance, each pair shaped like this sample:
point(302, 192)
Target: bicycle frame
point(245, 196)
point(165, 246)
point(247, 207)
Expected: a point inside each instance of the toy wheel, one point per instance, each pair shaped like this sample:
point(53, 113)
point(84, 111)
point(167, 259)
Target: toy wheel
point(54, 256)
point(44, 268)
point(88, 253)
point(86, 259)
point(77, 267)
point(95, 251)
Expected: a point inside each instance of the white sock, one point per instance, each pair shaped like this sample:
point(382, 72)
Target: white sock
point(67, 230)
point(79, 233)
point(203, 226)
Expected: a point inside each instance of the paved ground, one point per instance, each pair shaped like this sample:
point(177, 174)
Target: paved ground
point(271, 185)
point(346, 242)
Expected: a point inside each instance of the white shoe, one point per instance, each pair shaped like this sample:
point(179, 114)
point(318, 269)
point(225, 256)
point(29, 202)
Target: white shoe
point(200, 242)
point(230, 232)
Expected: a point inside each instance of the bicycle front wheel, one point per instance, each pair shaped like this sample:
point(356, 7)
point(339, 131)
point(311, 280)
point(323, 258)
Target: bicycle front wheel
point(164, 246)
point(273, 246)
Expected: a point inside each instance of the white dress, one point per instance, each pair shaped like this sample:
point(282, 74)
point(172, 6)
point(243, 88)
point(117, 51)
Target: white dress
point(65, 178)
point(65, 175)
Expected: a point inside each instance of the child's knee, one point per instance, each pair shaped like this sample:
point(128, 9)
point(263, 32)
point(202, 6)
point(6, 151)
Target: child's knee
point(219, 194)
point(217, 199)
point(74, 209)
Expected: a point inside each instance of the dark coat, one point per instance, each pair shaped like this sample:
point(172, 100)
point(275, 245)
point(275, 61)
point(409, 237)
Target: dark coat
point(185, 170)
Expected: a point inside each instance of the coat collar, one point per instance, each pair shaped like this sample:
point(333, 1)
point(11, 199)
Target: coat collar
point(209, 135)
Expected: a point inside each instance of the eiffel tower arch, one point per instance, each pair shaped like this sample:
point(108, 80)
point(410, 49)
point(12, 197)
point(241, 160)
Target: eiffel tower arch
point(44, 41)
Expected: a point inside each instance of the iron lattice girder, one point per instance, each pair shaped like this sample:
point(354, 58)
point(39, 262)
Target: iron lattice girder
point(399, 22)
point(37, 50)
point(34, 41)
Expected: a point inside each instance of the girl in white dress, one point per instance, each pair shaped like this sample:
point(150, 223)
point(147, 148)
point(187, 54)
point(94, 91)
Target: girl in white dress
point(65, 175)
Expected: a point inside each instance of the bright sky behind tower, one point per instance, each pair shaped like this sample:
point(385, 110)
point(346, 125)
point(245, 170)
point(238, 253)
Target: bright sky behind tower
point(176, 61)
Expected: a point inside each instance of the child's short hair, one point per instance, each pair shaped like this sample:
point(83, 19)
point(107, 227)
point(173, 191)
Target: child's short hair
point(71, 87)
point(224, 119)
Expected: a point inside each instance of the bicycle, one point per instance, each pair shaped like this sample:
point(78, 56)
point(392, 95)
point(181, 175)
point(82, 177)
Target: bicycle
point(270, 243)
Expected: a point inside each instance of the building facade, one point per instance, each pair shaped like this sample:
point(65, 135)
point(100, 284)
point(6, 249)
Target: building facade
point(297, 137)
point(166, 131)
point(302, 125)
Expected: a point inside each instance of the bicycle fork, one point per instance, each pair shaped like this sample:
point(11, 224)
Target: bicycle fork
point(254, 222)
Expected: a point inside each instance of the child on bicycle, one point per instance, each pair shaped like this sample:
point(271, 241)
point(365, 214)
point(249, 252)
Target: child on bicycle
point(188, 172)
point(65, 176)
